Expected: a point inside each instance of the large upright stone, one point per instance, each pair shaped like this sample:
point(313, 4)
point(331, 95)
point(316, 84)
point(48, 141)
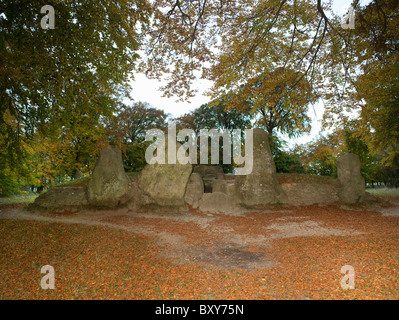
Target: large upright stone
point(109, 185)
point(352, 188)
point(194, 190)
point(165, 184)
point(261, 186)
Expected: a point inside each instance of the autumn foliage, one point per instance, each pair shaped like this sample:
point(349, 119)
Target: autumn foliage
point(63, 91)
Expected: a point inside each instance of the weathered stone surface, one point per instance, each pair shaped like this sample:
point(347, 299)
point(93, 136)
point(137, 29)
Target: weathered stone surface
point(353, 185)
point(204, 170)
point(136, 199)
point(220, 176)
point(194, 190)
point(62, 198)
point(165, 184)
point(231, 190)
point(196, 177)
point(208, 174)
point(310, 193)
point(109, 185)
point(229, 176)
point(217, 202)
point(348, 166)
point(261, 186)
point(370, 197)
point(219, 186)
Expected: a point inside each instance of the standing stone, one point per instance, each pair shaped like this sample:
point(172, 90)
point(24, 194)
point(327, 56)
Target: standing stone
point(109, 185)
point(352, 189)
point(261, 186)
point(194, 190)
point(165, 184)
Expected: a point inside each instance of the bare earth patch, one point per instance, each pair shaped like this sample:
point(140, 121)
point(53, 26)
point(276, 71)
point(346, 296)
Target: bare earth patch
point(277, 253)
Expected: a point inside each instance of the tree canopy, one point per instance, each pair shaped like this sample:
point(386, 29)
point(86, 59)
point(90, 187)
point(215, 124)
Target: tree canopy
point(277, 101)
point(63, 89)
point(57, 84)
point(233, 41)
point(238, 45)
point(216, 115)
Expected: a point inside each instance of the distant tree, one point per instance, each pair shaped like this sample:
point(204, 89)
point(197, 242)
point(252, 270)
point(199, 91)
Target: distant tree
point(279, 101)
point(128, 129)
point(390, 176)
point(134, 156)
point(285, 161)
point(319, 156)
point(186, 121)
point(216, 115)
point(132, 122)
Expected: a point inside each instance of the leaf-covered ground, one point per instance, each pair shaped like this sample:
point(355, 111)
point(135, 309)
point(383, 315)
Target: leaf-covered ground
point(205, 256)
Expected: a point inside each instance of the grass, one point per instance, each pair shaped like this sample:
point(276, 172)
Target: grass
point(21, 199)
point(386, 193)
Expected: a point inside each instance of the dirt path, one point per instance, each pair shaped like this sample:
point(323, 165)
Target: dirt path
point(237, 240)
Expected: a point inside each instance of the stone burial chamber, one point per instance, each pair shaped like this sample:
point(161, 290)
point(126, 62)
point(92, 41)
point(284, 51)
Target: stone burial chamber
point(205, 188)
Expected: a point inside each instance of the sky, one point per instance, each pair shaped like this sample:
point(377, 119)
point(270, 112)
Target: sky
point(147, 90)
